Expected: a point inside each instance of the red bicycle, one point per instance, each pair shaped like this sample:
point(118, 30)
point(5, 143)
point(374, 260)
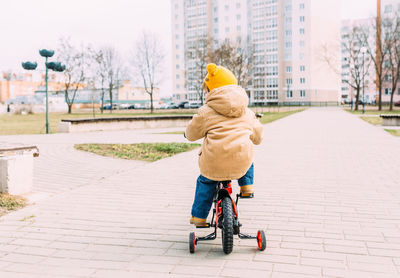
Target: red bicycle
point(225, 216)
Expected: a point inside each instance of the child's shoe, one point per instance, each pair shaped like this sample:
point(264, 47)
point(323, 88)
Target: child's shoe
point(247, 191)
point(198, 222)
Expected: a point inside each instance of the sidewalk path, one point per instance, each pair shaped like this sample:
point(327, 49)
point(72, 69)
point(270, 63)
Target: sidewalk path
point(327, 196)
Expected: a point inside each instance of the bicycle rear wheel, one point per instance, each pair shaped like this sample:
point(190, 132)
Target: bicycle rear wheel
point(227, 225)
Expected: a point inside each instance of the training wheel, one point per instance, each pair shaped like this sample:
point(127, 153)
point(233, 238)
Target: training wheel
point(261, 241)
point(192, 242)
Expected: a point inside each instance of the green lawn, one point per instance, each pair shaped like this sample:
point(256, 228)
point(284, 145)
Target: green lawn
point(374, 112)
point(375, 120)
point(142, 151)
point(395, 132)
point(273, 116)
point(36, 123)
point(173, 132)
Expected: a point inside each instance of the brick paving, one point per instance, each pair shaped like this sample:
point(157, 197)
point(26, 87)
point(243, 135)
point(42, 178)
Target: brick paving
point(327, 196)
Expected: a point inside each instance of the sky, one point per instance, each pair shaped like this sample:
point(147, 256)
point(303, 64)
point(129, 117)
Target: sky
point(29, 25)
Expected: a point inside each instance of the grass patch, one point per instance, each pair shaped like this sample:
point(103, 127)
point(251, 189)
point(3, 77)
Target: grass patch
point(269, 117)
point(394, 132)
point(36, 123)
point(373, 120)
point(142, 151)
point(10, 203)
point(173, 132)
point(373, 112)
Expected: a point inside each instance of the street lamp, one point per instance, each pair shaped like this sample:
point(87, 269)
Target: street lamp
point(55, 66)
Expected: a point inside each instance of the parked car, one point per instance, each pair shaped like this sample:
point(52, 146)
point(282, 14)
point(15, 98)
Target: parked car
point(168, 105)
point(182, 104)
point(108, 106)
point(194, 105)
point(397, 103)
point(124, 106)
point(132, 106)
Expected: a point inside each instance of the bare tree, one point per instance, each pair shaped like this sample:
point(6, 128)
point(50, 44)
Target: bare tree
point(148, 62)
point(391, 28)
point(98, 76)
point(358, 65)
point(74, 75)
point(374, 43)
point(236, 59)
point(113, 68)
point(199, 54)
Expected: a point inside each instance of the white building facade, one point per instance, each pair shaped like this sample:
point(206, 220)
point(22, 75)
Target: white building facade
point(285, 36)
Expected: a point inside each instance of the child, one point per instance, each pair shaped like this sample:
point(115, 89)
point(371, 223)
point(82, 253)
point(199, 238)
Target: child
point(230, 129)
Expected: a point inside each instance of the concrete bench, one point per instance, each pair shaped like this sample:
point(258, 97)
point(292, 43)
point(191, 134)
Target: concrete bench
point(390, 119)
point(16, 168)
point(120, 123)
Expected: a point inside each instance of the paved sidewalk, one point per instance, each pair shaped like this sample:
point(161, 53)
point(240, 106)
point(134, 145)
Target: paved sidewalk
point(327, 196)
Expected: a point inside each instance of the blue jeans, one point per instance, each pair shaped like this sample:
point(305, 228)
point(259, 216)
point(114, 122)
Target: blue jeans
point(205, 190)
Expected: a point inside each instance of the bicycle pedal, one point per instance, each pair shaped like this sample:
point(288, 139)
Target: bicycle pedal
point(250, 196)
point(208, 225)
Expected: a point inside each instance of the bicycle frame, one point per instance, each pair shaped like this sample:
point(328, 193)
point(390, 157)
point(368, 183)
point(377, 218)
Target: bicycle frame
point(224, 189)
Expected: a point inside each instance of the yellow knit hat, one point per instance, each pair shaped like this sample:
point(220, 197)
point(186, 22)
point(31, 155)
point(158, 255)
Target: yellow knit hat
point(219, 76)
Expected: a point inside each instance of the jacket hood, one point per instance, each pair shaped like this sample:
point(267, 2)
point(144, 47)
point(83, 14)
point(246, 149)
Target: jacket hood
point(230, 101)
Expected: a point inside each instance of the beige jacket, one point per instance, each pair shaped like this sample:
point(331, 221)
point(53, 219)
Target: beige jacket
point(230, 129)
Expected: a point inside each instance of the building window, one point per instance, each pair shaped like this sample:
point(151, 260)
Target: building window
point(288, 81)
point(226, 7)
point(302, 43)
point(388, 91)
point(288, 44)
point(177, 86)
point(289, 94)
point(177, 76)
point(237, 5)
point(177, 46)
point(388, 77)
point(238, 28)
point(216, 19)
point(388, 9)
point(176, 6)
point(302, 93)
point(302, 6)
point(302, 18)
point(398, 91)
point(227, 29)
point(302, 80)
point(177, 67)
point(302, 31)
point(226, 18)
point(288, 69)
point(238, 17)
point(302, 68)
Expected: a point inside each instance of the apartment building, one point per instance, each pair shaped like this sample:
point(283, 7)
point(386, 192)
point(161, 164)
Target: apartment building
point(285, 36)
point(388, 9)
